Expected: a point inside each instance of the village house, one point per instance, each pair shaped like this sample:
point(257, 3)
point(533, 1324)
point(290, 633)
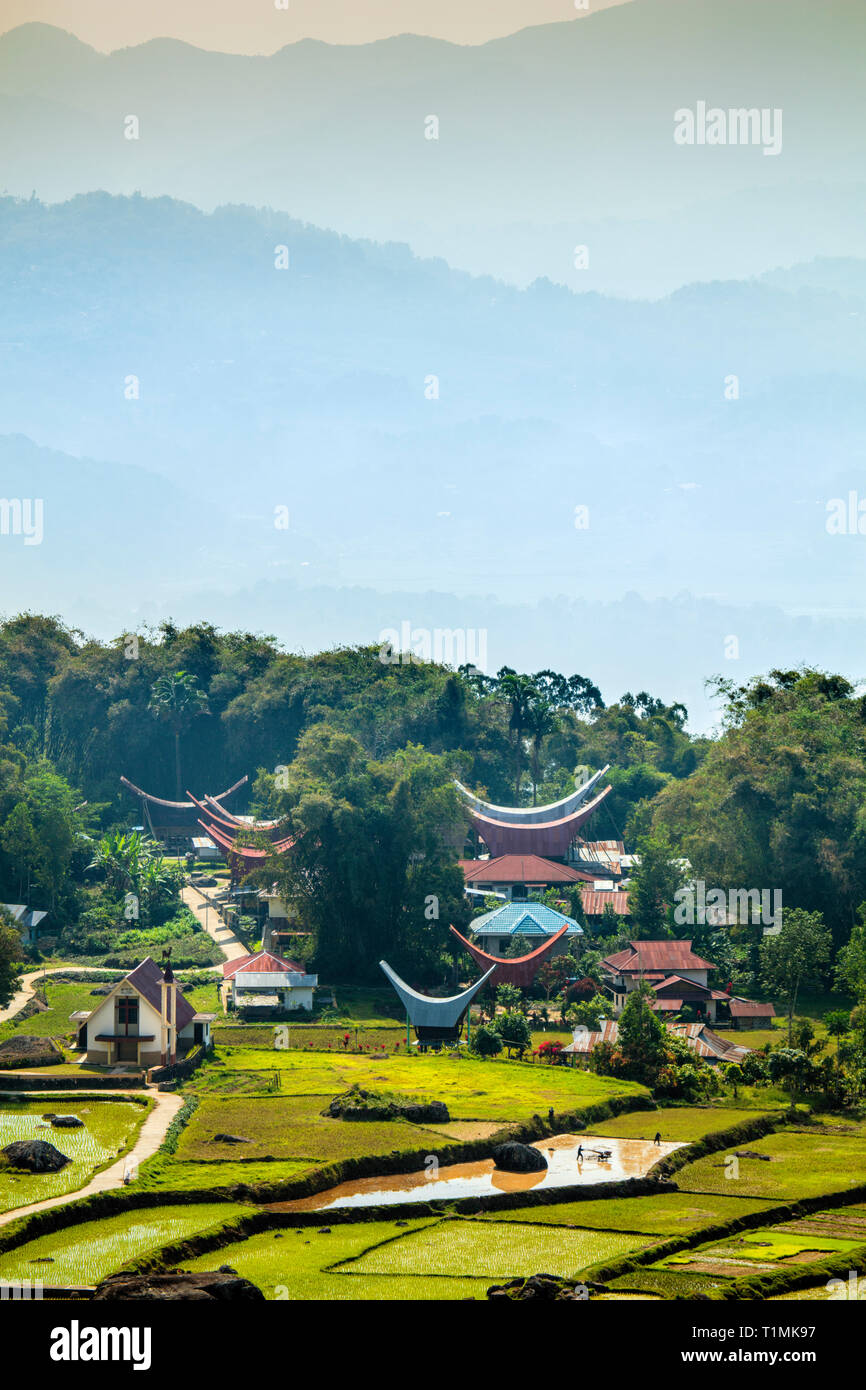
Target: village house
point(265, 984)
point(143, 1021)
point(494, 931)
point(678, 978)
point(699, 1036)
point(515, 876)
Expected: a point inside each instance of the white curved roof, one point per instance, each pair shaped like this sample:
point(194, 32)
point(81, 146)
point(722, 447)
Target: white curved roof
point(532, 815)
point(427, 1012)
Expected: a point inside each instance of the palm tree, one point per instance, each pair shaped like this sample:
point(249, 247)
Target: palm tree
point(519, 691)
point(540, 721)
point(177, 700)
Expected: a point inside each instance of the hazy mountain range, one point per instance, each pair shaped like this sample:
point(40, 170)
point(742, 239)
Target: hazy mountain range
point(242, 415)
point(555, 137)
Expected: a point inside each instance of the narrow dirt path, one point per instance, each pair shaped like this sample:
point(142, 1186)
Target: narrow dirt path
point(150, 1136)
point(231, 945)
point(27, 989)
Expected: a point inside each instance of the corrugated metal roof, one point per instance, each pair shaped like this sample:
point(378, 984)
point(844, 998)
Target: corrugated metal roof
point(596, 900)
point(670, 956)
point(262, 962)
point(747, 1008)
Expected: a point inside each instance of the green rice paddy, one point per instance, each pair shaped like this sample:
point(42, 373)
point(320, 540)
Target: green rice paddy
point(501, 1251)
point(421, 1259)
point(674, 1123)
point(671, 1213)
point(763, 1246)
point(171, 1176)
point(297, 1265)
point(472, 1089)
point(110, 1128)
point(294, 1128)
point(86, 1253)
point(802, 1164)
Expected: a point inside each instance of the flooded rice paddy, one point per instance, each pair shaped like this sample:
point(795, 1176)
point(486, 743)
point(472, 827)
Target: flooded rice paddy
point(601, 1160)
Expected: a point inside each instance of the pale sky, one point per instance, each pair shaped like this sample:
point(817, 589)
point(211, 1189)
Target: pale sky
point(259, 26)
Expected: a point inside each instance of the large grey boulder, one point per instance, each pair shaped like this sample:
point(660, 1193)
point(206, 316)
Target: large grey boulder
point(512, 1157)
point(35, 1156)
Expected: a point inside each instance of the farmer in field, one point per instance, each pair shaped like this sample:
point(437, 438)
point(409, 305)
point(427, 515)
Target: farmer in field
point(579, 1152)
point(658, 1138)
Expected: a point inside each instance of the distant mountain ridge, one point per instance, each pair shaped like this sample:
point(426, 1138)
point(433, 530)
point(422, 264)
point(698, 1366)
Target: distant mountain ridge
point(558, 136)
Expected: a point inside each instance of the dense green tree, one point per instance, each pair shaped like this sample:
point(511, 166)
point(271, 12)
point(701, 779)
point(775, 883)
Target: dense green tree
point(654, 882)
point(795, 958)
point(373, 870)
point(10, 957)
point(779, 800)
point(513, 1029)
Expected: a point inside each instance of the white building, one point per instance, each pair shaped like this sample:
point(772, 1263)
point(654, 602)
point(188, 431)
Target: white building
point(144, 1020)
point(266, 982)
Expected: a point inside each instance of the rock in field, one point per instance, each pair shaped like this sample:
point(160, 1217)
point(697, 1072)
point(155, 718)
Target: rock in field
point(219, 1286)
point(65, 1121)
point(546, 1287)
point(35, 1156)
point(518, 1158)
point(230, 1139)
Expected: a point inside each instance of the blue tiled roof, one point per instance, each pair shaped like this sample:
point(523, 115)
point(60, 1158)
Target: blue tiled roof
point(524, 919)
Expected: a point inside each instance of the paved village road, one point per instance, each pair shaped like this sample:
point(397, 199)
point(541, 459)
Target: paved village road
point(196, 901)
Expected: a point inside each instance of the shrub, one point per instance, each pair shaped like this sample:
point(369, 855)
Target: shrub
point(486, 1042)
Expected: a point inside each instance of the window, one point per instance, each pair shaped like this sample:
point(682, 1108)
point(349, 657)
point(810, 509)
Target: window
point(127, 1013)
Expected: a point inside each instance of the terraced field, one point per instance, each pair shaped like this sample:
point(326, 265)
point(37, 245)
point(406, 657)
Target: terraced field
point(798, 1164)
point(87, 1253)
point(669, 1214)
point(110, 1128)
point(756, 1251)
point(294, 1128)
point(300, 1265)
point(472, 1089)
point(674, 1122)
point(501, 1251)
point(410, 1259)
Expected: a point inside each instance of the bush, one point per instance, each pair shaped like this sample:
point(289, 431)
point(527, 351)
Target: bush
point(486, 1042)
point(513, 1029)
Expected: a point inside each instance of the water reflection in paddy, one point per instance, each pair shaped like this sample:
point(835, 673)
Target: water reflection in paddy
point(625, 1158)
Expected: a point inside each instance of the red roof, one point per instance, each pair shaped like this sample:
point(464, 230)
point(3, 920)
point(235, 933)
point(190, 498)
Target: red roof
point(520, 868)
point(747, 1008)
point(147, 979)
point(644, 956)
point(667, 1005)
point(263, 962)
point(595, 901)
point(519, 971)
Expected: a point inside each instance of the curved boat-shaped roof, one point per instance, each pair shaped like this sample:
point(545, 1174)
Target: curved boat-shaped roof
point(550, 839)
point(248, 853)
point(231, 824)
point(532, 815)
point(426, 1012)
point(213, 801)
point(178, 805)
point(519, 971)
